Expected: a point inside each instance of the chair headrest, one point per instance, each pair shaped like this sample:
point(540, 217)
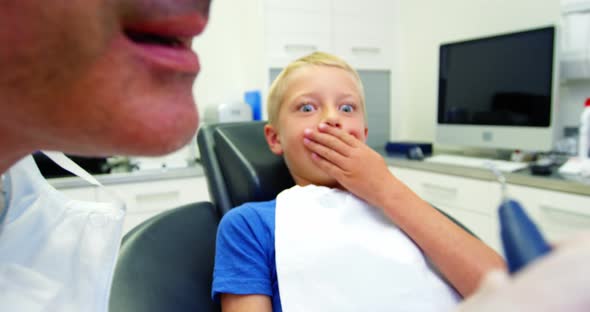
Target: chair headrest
point(250, 170)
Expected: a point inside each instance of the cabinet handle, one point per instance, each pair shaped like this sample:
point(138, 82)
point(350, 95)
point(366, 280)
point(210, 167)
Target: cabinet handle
point(575, 8)
point(366, 50)
point(550, 210)
point(300, 47)
point(157, 197)
point(564, 220)
point(442, 192)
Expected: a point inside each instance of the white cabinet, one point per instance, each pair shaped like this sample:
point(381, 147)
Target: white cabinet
point(474, 203)
point(363, 33)
point(146, 199)
point(575, 39)
point(558, 214)
point(283, 48)
point(301, 5)
point(450, 191)
point(159, 195)
point(296, 28)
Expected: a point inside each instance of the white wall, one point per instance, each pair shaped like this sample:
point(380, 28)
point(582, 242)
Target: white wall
point(231, 52)
point(424, 25)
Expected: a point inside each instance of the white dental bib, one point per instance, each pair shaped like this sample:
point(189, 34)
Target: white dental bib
point(56, 254)
point(335, 252)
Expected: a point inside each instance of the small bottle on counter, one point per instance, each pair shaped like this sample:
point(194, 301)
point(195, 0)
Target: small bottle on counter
point(584, 130)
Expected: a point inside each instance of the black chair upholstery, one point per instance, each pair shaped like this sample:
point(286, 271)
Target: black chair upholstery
point(166, 263)
point(239, 165)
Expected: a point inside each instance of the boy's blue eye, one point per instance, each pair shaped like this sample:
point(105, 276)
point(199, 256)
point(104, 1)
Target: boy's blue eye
point(347, 108)
point(306, 108)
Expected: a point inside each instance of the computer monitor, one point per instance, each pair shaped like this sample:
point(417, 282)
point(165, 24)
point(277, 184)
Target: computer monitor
point(499, 92)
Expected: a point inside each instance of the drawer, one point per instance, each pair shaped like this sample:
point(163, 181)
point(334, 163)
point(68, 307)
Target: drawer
point(558, 223)
point(364, 45)
point(367, 9)
point(453, 192)
point(283, 49)
point(323, 6)
point(562, 215)
point(286, 22)
point(558, 215)
point(157, 196)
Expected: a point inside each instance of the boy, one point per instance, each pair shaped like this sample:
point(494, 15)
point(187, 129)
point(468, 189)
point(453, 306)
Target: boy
point(317, 122)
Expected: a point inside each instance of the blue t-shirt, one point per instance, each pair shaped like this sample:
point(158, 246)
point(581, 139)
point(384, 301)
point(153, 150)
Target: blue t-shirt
point(245, 253)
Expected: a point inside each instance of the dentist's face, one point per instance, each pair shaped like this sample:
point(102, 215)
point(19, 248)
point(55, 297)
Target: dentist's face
point(316, 94)
point(99, 76)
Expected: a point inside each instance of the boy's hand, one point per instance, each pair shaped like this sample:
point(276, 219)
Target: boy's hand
point(353, 164)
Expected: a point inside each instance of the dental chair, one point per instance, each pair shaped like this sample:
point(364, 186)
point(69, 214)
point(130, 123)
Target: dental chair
point(241, 168)
point(166, 263)
point(239, 165)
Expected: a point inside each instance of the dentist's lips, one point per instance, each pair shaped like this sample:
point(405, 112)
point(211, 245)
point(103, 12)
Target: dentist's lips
point(166, 43)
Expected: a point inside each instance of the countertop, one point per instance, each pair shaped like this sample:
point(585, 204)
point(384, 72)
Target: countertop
point(195, 170)
point(554, 182)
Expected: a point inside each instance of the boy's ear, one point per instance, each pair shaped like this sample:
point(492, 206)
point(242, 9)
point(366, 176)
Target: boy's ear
point(273, 140)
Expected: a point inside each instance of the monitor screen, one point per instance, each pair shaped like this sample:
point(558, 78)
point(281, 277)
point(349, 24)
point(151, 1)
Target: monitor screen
point(505, 80)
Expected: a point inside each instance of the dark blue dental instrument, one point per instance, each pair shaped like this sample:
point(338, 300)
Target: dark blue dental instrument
point(521, 239)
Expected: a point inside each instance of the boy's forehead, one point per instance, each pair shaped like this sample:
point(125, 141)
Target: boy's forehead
point(307, 79)
point(311, 69)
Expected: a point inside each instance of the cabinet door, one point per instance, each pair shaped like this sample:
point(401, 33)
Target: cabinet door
point(557, 214)
point(575, 40)
point(470, 201)
point(291, 34)
point(146, 199)
point(364, 32)
point(301, 5)
point(286, 22)
point(159, 195)
point(282, 49)
point(452, 191)
point(361, 32)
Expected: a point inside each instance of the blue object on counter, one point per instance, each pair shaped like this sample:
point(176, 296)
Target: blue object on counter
point(403, 148)
point(522, 240)
point(255, 100)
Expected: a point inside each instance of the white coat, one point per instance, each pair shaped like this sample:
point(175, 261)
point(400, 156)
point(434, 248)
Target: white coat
point(56, 254)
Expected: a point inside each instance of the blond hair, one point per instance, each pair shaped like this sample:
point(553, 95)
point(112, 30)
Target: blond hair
point(279, 85)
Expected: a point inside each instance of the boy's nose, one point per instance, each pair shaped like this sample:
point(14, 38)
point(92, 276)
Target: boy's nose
point(333, 123)
point(332, 120)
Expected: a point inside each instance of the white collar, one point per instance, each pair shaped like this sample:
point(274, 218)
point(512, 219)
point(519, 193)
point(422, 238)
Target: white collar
point(3, 199)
